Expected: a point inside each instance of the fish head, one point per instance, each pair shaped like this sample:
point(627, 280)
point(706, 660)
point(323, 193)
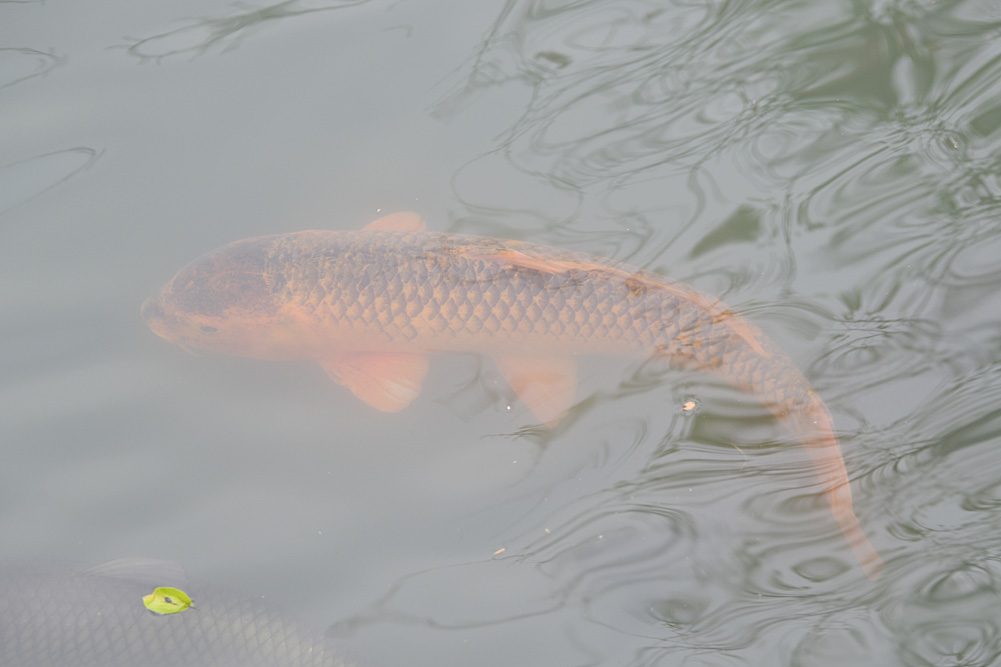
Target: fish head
point(224, 301)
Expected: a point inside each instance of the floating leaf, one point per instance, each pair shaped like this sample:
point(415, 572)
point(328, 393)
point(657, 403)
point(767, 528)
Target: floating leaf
point(165, 600)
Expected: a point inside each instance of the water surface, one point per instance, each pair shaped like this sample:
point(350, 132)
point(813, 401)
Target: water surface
point(829, 169)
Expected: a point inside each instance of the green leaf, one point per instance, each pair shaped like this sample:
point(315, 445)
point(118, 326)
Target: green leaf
point(165, 600)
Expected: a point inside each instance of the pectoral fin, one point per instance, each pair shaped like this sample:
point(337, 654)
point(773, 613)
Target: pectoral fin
point(385, 380)
point(407, 221)
point(547, 385)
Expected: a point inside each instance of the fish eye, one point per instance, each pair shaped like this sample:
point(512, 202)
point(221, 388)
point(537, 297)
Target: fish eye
point(207, 329)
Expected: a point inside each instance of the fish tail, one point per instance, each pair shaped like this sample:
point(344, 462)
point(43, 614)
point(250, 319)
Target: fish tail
point(738, 352)
point(815, 429)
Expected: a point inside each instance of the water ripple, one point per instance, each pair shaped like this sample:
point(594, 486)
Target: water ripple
point(21, 64)
point(225, 32)
point(30, 178)
point(862, 138)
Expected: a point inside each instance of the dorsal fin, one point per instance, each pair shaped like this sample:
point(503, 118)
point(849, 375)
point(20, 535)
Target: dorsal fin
point(406, 221)
point(513, 257)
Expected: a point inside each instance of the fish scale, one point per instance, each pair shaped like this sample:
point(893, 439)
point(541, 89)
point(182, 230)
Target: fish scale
point(345, 281)
point(369, 281)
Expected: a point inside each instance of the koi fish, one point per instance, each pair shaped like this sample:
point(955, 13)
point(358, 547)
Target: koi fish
point(95, 616)
point(370, 306)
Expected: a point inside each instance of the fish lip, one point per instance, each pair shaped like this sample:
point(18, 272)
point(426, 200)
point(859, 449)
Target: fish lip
point(190, 350)
point(152, 309)
point(155, 316)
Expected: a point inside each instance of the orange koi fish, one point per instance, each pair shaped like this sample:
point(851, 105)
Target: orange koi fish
point(370, 306)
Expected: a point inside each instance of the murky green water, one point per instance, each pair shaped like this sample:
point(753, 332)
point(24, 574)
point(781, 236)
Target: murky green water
point(830, 169)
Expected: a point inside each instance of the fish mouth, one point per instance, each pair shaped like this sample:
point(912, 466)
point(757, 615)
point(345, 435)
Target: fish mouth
point(152, 309)
point(154, 314)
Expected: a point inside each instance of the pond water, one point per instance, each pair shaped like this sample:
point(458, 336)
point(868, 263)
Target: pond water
point(831, 170)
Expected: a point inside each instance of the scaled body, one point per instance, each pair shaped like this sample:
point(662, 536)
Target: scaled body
point(54, 615)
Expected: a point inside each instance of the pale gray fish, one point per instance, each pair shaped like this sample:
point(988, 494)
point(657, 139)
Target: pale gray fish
point(55, 615)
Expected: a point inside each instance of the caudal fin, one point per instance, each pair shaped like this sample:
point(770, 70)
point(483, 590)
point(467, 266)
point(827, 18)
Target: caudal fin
point(816, 432)
point(865, 553)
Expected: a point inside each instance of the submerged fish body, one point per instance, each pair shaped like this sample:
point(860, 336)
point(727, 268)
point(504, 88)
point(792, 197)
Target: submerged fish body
point(370, 305)
point(54, 614)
